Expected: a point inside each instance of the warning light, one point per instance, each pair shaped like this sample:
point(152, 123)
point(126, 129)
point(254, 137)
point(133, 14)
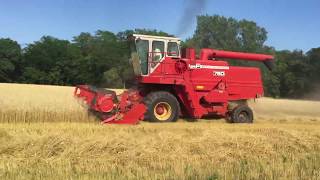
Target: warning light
point(198, 87)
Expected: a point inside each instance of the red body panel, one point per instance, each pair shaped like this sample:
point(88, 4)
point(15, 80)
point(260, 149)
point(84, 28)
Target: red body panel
point(244, 83)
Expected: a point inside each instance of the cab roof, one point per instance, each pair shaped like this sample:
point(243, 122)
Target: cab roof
point(156, 37)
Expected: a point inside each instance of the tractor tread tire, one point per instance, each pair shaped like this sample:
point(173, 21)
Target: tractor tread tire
point(161, 96)
point(234, 116)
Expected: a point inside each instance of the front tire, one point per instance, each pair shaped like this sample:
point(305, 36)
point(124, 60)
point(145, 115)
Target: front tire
point(162, 107)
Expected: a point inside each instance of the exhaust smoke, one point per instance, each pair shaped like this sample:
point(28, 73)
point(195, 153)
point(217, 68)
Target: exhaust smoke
point(192, 8)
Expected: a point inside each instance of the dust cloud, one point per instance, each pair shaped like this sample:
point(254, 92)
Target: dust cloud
point(314, 94)
point(285, 108)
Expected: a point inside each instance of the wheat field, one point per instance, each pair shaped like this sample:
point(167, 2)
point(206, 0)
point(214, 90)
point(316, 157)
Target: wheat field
point(46, 134)
point(39, 103)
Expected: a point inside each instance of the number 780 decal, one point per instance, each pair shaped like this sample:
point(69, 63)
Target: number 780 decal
point(218, 73)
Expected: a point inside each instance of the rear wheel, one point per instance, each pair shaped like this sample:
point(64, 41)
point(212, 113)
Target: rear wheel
point(161, 106)
point(240, 114)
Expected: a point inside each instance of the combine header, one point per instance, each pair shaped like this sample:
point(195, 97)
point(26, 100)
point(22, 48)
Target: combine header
point(174, 83)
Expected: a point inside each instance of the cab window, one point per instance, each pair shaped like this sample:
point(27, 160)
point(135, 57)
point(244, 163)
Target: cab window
point(143, 50)
point(173, 49)
point(157, 50)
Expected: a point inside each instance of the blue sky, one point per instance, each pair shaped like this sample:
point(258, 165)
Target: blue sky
point(291, 24)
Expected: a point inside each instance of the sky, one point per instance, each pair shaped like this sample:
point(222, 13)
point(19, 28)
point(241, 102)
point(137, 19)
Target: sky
point(291, 24)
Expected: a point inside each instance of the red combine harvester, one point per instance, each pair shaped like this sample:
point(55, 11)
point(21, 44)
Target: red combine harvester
point(173, 83)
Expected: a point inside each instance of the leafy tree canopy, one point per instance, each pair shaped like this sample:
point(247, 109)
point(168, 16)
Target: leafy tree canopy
point(10, 56)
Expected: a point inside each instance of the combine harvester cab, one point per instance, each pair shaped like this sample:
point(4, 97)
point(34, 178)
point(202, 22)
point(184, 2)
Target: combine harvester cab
point(174, 83)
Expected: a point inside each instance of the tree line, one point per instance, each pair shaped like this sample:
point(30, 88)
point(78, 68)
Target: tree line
point(102, 58)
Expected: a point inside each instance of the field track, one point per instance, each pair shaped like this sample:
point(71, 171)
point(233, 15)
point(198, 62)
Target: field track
point(46, 134)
